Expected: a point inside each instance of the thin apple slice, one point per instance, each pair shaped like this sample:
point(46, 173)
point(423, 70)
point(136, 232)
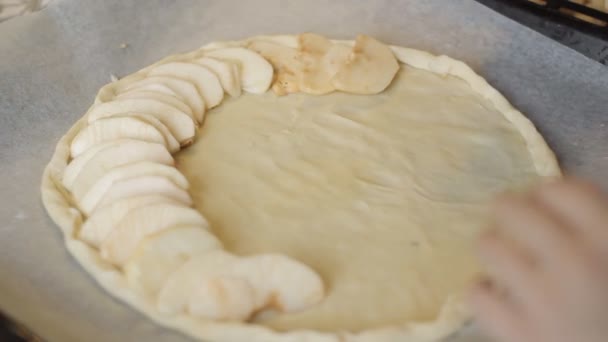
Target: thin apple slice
point(159, 255)
point(227, 72)
point(336, 56)
point(219, 285)
point(88, 167)
point(171, 100)
point(256, 72)
point(282, 283)
point(208, 85)
point(286, 62)
point(97, 226)
point(114, 128)
point(138, 186)
point(184, 89)
point(369, 68)
point(223, 298)
point(297, 69)
point(89, 198)
point(179, 123)
point(170, 141)
point(154, 87)
point(142, 222)
point(216, 267)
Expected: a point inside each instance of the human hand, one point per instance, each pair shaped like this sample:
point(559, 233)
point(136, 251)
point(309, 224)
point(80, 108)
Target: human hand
point(546, 261)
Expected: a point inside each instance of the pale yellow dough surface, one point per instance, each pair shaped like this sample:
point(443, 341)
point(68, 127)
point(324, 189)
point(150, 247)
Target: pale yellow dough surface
point(382, 195)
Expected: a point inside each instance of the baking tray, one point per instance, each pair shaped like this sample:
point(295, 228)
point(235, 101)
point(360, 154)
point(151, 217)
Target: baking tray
point(577, 16)
point(52, 63)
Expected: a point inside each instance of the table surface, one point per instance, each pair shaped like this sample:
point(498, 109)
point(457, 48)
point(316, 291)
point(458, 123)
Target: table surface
point(590, 46)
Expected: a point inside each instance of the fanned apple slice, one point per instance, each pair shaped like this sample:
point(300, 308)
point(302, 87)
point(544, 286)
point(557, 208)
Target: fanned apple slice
point(227, 72)
point(152, 86)
point(216, 266)
point(223, 298)
point(336, 56)
point(369, 68)
point(208, 85)
point(157, 256)
point(171, 100)
point(170, 141)
point(184, 89)
point(144, 185)
point(282, 283)
point(286, 62)
point(219, 285)
point(256, 72)
point(97, 226)
point(179, 123)
point(88, 167)
point(142, 222)
point(89, 198)
point(114, 128)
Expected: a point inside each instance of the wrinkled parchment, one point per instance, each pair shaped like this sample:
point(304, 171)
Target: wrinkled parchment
point(53, 62)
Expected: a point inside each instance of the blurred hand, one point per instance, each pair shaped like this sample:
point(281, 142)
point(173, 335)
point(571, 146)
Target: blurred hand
point(546, 261)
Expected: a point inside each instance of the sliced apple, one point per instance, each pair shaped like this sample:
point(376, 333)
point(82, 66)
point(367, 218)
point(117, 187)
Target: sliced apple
point(171, 100)
point(179, 123)
point(153, 87)
point(315, 78)
point(336, 56)
point(226, 71)
point(97, 226)
point(282, 283)
point(313, 44)
point(88, 167)
point(286, 62)
point(184, 89)
point(369, 68)
point(89, 198)
point(145, 221)
point(114, 128)
point(223, 298)
point(208, 85)
point(183, 285)
point(288, 40)
point(138, 186)
point(297, 69)
point(256, 72)
point(170, 141)
point(219, 285)
point(158, 255)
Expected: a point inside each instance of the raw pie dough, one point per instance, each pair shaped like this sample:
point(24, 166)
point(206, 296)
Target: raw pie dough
point(334, 217)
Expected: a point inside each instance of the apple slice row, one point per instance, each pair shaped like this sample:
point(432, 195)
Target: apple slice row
point(117, 127)
point(219, 285)
point(181, 88)
point(180, 124)
point(136, 203)
point(130, 180)
point(316, 65)
point(176, 94)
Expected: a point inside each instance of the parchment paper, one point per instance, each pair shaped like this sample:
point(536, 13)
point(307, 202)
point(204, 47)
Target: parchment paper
point(53, 62)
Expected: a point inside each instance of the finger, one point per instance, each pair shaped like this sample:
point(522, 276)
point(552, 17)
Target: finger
point(580, 205)
point(495, 315)
point(510, 267)
point(532, 227)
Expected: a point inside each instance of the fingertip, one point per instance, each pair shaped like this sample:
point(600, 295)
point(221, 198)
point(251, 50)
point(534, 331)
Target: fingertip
point(493, 313)
point(508, 203)
point(568, 188)
point(485, 242)
point(477, 292)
